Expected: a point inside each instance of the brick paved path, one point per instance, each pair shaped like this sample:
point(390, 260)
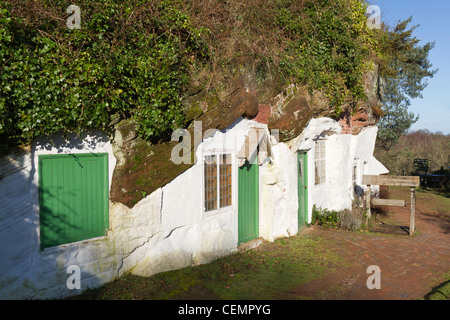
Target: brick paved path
point(410, 266)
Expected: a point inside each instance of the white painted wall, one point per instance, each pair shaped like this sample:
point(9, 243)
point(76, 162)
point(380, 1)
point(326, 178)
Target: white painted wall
point(278, 195)
point(26, 271)
point(168, 229)
point(342, 151)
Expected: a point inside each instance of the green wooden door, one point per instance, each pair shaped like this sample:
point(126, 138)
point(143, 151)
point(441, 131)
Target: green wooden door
point(302, 169)
point(248, 202)
point(73, 197)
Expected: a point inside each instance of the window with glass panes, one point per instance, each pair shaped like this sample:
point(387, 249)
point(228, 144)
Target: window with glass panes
point(218, 181)
point(354, 172)
point(320, 162)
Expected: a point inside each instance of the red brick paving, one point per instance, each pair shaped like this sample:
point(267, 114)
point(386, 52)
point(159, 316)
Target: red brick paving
point(410, 266)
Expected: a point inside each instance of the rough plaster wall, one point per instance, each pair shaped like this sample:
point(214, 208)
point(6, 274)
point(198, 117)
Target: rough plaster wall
point(168, 229)
point(365, 144)
point(279, 204)
point(28, 272)
point(339, 172)
point(341, 151)
point(190, 236)
point(17, 230)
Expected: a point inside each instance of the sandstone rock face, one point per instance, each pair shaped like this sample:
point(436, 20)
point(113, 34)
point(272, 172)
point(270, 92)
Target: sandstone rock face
point(293, 109)
point(144, 167)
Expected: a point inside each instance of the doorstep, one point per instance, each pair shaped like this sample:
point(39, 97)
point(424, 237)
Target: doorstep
point(252, 244)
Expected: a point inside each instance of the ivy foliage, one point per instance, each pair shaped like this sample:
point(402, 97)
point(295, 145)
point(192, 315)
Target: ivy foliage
point(325, 217)
point(129, 59)
point(329, 46)
point(134, 59)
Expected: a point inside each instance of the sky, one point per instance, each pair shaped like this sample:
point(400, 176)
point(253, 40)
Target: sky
point(433, 18)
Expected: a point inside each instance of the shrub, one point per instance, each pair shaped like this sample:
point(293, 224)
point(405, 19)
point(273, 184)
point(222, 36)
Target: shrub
point(324, 217)
point(349, 220)
point(355, 219)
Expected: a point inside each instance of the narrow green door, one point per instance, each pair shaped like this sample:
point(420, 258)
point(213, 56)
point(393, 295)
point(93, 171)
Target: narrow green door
point(302, 189)
point(73, 197)
point(248, 202)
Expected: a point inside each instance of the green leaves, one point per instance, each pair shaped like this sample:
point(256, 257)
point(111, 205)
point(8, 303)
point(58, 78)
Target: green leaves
point(327, 48)
point(324, 217)
point(133, 59)
point(405, 73)
point(127, 60)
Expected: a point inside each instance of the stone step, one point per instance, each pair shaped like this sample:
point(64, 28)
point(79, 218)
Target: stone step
point(252, 244)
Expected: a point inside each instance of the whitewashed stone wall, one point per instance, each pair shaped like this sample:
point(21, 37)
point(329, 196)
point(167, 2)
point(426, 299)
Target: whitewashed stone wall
point(279, 208)
point(278, 198)
point(342, 151)
point(26, 271)
point(168, 229)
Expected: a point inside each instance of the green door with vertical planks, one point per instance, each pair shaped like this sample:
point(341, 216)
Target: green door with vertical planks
point(302, 173)
point(73, 197)
point(248, 202)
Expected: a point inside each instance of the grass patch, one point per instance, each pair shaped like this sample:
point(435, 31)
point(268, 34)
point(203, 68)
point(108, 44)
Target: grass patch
point(436, 200)
point(440, 292)
point(267, 272)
